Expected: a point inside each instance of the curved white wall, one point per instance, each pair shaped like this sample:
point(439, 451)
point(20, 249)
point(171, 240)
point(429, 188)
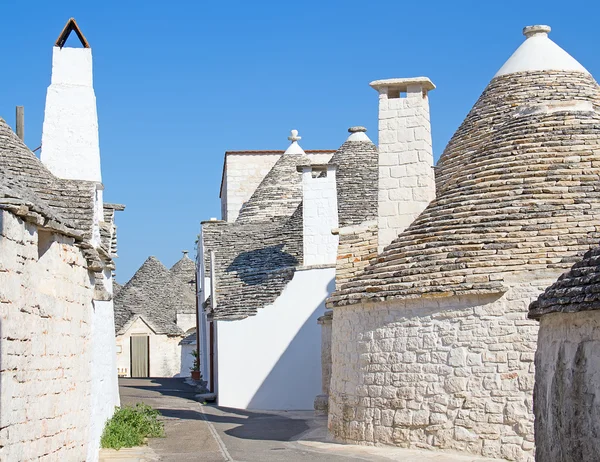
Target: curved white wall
point(272, 361)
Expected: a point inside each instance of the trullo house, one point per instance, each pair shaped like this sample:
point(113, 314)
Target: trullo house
point(267, 270)
point(57, 244)
point(567, 385)
point(431, 346)
point(155, 320)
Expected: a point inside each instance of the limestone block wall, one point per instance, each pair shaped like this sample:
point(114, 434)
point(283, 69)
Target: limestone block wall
point(567, 387)
point(406, 176)
point(357, 246)
point(45, 352)
point(450, 373)
point(165, 352)
point(320, 217)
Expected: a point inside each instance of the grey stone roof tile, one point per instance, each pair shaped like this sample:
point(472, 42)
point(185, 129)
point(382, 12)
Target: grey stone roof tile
point(156, 295)
point(517, 190)
point(576, 290)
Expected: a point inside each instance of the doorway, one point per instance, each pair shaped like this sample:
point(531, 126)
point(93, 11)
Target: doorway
point(140, 356)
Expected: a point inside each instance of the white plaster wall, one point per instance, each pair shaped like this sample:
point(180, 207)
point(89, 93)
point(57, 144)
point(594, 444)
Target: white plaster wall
point(165, 351)
point(186, 321)
point(273, 360)
point(187, 360)
point(105, 387)
point(450, 373)
point(70, 142)
point(406, 176)
point(320, 217)
point(45, 346)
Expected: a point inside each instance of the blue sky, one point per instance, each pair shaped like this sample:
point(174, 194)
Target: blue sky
point(178, 83)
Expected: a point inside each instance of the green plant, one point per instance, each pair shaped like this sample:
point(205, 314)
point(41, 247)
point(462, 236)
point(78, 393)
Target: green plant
point(196, 366)
point(130, 425)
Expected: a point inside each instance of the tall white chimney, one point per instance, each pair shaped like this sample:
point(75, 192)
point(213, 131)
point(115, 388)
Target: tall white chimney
point(70, 144)
point(406, 176)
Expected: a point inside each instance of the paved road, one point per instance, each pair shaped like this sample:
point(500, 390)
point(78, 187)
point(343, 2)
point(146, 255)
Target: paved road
point(204, 433)
point(209, 434)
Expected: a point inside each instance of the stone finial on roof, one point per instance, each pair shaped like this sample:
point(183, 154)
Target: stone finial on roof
point(358, 133)
point(530, 31)
point(539, 53)
point(294, 147)
point(185, 253)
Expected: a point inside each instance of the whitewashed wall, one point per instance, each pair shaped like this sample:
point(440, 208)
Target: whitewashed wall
point(105, 387)
point(45, 346)
point(320, 217)
point(450, 373)
point(186, 321)
point(165, 351)
point(70, 143)
point(273, 360)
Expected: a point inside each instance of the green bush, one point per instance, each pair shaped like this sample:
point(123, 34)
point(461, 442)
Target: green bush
point(130, 425)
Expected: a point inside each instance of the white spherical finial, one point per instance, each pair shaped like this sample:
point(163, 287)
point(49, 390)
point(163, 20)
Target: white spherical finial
point(530, 31)
point(294, 136)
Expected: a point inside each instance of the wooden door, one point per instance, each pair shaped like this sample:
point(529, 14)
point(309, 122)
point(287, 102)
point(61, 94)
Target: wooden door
point(140, 356)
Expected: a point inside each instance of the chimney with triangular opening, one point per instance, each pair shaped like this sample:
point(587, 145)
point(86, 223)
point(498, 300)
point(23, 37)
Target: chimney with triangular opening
point(70, 144)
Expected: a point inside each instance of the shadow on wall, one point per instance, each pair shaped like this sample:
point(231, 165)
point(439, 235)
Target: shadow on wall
point(254, 267)
point(288, 372)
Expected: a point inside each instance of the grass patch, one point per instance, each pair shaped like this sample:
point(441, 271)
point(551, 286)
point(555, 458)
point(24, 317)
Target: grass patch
point(130, 425)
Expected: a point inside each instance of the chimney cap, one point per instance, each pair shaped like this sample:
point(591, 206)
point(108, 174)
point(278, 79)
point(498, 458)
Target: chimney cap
point(357, 129)
point(403, 83)
point(530, 31)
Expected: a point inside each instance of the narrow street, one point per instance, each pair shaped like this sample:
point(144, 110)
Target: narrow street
point(209, 434)
point(206, 433)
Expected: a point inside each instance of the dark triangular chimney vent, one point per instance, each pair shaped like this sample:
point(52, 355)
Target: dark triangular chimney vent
point(64, 35)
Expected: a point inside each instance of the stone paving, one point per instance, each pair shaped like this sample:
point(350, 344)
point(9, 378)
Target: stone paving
point(206, 433)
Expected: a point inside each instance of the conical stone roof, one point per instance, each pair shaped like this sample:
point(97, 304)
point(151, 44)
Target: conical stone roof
point(280, 192)
point(517, 190)
point(72, 202)
point(576, 290)
point(185, 271)
point(357, 177)
point(155, 294)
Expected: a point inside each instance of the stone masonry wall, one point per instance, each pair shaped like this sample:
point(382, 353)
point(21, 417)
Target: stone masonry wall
point(450, 373)
point(567, 387)
point(406, 176)
point(357, 246)
point(45, 306)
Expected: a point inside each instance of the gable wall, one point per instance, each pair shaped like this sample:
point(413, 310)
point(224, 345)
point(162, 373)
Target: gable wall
point(165, 352)
point(243, 174)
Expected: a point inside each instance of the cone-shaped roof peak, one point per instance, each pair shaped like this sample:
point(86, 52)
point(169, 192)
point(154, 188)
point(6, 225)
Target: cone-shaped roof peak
point(539, 53)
